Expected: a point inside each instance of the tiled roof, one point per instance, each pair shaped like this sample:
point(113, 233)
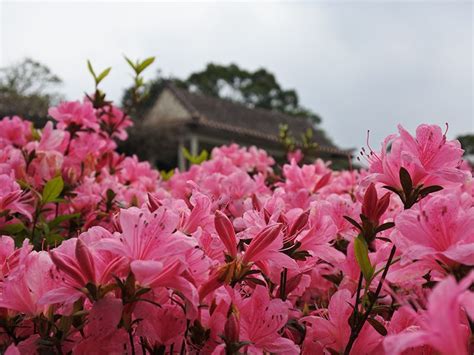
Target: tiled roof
point(256, 122)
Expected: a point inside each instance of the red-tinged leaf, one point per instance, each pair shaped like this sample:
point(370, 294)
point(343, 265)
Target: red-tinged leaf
point(255, 281)
point(379, 327)
point(384, 227)
point(430, 189)
point(353, 222)
point(393, 189)
point(405, 180)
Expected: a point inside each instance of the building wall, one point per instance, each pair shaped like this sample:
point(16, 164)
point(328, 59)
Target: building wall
point(167, 109)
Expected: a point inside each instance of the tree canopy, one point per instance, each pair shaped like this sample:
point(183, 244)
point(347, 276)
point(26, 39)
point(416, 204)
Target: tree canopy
point(26, 89)
point(257, 88)
point(467, 143)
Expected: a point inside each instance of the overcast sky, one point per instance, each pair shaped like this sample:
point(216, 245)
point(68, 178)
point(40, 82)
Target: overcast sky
point(360, 65)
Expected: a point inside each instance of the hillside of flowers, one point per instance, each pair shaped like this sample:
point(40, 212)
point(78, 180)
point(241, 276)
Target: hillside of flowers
point(100, 255)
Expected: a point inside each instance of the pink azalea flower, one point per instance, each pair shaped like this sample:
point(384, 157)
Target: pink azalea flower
point(170, 328)
point(263, 251)
point(338, 206)
point(317, 239)
point(115, 122)
point(137, 249)
point(330, 330)
point(102, 332)
point(79, 265)
point(131, 170)
point(444, 325)
point(200, 215)
point(260, 321)
point(75, 113)
point(405, 319)
point(155, 275)
point(296, 155)
point(247, 159)
point(22, 288)
point(439, 226)
point(51, 139)
point(15, 131)
point(307, 177)
point(147, 236)
point(225, 231)
point(429, 158)
point(12, 197)
point(12, 350)
point(45, 166)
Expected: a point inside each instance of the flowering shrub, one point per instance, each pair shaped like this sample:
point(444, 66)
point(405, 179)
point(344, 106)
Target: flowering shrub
point(98, 254)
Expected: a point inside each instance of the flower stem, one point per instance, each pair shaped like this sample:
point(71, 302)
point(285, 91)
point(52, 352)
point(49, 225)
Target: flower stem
point(357, 326)
point(132, 345)
point(284, 275)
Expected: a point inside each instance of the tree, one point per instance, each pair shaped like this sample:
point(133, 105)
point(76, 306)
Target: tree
point(467, 143)
point(26, 90)
point(254, 89)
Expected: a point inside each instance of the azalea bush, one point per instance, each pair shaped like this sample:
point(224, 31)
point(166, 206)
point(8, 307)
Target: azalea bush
point(99, 254)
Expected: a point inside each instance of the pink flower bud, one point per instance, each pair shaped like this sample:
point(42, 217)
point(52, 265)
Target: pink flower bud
point(85, 260)
point(226, 233)
point(232, 326)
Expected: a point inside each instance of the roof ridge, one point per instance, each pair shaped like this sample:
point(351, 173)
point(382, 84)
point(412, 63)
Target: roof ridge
point(234, 117)
point(178, 94)
point(180, 91)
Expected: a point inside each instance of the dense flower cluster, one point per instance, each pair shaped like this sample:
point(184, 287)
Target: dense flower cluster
point(98, 254)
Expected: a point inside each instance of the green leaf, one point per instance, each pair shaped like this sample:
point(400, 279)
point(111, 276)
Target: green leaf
point(13, 228)
point(110, 195)
point(35, 134)
point(134, 67)
point(379, 327)
point(187, 154)
point(146, 63)
point(59, 219)
point(166, 175)
point(362, 255)
point(102, 75)
point(139, 81)
point(202, 157)
point(91, 70)
point(58, 200)
point(195, 159)
point(54, 239)
point(52, 189)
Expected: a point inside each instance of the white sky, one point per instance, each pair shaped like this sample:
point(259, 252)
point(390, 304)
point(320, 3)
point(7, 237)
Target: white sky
point(360, 65)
